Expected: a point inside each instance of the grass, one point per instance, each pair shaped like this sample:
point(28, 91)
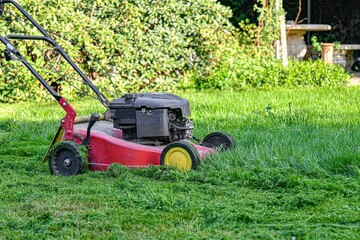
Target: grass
point(294, 174)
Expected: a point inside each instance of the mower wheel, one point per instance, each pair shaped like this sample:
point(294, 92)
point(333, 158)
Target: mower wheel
point(66, 159)
point(183, 155)
point(219, 140)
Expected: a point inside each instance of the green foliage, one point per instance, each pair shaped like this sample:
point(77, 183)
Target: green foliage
point(146, 45)
point(315, 43)
point(315, 73)
point(259, 38)
point(242, 72)
point(251, 63)
point(268, 22)
point(152, 46)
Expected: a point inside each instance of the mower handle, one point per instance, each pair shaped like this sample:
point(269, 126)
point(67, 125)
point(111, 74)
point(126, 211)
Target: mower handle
point(57, 48)
point(11, 49)
point(67, 123)
point(27, 15)
point(26, 37)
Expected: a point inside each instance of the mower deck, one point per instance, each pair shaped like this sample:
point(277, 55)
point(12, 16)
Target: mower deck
point(107, 147)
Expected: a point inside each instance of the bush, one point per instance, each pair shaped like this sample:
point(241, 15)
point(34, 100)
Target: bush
point(266, 72)
point(149, 46)
point(146, 45)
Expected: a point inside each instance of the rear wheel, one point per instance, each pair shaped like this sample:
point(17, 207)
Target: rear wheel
point(182, 155)
point(219, 140)
point(66, 159)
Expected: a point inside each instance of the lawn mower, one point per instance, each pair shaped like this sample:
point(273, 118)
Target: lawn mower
point(136, 130)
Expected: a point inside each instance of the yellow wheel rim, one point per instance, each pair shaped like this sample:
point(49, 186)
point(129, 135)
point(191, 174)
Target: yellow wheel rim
point(179, 158)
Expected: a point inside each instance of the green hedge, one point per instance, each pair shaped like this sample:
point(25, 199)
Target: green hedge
point(145, 45)
point(242, 72)
point(157, 45)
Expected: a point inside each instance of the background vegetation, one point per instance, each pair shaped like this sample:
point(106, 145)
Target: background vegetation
point(152, 46)
point(295, 174)
point(145, 45)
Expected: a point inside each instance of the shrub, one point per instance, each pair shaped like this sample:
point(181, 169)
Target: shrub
point(266, 72)
point(150, 46)
point(146, 45)
point(315, 73)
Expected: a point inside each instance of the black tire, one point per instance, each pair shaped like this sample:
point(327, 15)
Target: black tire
point(66, 159)
point(219, 140)
point(183, 155)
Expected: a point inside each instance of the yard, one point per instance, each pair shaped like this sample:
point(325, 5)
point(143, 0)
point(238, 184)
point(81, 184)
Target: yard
point(295, 174)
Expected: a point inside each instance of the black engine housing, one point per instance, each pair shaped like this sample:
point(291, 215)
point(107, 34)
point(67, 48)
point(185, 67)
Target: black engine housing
point(152, 118)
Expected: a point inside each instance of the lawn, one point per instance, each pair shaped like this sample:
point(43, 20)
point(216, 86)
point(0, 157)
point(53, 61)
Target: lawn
point(295, 174)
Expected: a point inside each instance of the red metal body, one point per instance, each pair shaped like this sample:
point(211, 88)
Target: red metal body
point(67, 123)
point(106, 147)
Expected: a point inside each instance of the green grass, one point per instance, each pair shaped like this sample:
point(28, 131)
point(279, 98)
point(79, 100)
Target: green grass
point(295, 173)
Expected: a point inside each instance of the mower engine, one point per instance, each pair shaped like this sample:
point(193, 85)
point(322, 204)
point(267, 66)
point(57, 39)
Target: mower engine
point(152, 118)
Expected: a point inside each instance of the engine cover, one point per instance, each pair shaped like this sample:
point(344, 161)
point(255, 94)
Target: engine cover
point(152, 118)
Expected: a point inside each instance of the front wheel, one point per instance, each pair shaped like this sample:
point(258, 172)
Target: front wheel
point(66, 159)
point(182, 155)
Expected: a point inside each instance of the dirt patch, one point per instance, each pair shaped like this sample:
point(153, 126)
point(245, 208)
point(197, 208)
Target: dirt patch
point(354, 81)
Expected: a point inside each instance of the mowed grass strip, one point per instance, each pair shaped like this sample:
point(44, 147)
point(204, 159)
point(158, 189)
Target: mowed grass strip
point(294, 173)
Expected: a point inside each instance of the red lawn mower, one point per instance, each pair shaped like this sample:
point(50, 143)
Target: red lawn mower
point(136, 130)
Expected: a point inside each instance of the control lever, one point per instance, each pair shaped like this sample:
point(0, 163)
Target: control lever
point(93, 119)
